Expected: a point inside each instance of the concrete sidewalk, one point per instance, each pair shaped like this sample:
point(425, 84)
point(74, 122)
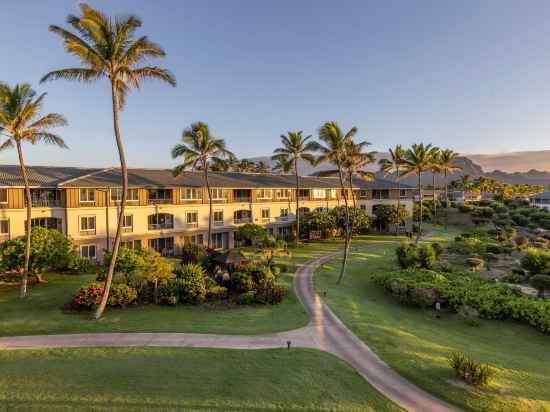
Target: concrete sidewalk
point(325, 332)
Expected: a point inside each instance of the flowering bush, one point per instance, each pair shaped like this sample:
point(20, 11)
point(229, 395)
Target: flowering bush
point(121, 295)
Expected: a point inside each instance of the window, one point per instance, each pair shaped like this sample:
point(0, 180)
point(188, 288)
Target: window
point(218, 193)
point(284, 213)
point(283, 193)
point(332, 193)
point(218, 217)
point(303, 193)
point(88, 252)
point(128, 223)
point(363, 194)
point(191, 193)
point(163, 245)
point(363, 207)
point(192, 218)
point(264, 194)
point(303, 211)
point(131, 244)
point(87, 225)
point(402, 193)
point(87, 195)
point(160, 221)
point(241, 195)
point(241, 216)
point(46, 222)
point(319, 193)
point(266, 214)
point(381, 194)
point(3, 195)
point(132, 195)
point(321, 209)
point(4, 227)
point(193, 239)
point(217, 240)
point(160, 196)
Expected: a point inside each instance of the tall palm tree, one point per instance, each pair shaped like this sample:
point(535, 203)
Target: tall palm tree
point(334, 151)
point(418, 159)
point(447, 164)
point(261, 167)
point(244, 166)
point(355, 161)
point(295, 147)
point(281, 166)
point(21, 122)
point(435, 169)
point(394, 165)
point(200, 150)
point(108, 48)
point(466, 182)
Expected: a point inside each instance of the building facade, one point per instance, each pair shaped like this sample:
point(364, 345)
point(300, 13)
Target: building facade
point(164, 212)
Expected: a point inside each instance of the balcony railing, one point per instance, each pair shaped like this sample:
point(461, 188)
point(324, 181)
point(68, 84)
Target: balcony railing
point(128, 229)
point(160, 226)
point(241, 220)
point(303, 197)
point(159, 201)
point(45, 203)
point(242, 199)
point(217, 222)
point(88, 232)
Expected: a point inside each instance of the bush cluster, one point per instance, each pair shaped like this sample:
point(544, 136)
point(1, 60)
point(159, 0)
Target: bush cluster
point(492, 300)
point(410, 255)
point(469, 370)
point(121, 295)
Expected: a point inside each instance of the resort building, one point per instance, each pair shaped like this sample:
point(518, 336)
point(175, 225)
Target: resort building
point(541, 200)
point(164, 212)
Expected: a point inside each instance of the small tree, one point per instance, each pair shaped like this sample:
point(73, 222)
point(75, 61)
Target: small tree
point(251, 233)
point(323, 222)
point(389, 214)
point(536, 261)
point(359, 216)
point(541, 283)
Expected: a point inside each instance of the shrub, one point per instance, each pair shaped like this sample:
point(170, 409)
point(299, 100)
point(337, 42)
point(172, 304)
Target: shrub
point(475, 264)
point(267, 292)
point(483, 212)
point(426, 256)
point(281, 266)
point(191, 281)
point(536, 261)
point(541, 283)
point(275, 270)
point(494, 248)
point(406, 255)
point(465, 208)
point(250, 233)
point(514, 278)
point(470, 371)
point(520, 220)
point(192, 253)
point(89, 296)
point(438, 249)
point(246, 298)
point(521, 241)
point(469, 314)
point(241, 282)
point(216, 293)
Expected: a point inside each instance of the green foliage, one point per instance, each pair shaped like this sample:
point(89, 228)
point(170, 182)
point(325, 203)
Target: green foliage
point(267, 292)
point(50, 250)
point(216, 293)
point(241, 282)
point(323, 222)
point(121, 295)
point(410, 255)
point(246, 298)
point(386, 215)
point(361, 221)
point(191, 283)
point(541, 283)
point(406, 255)
point(483, 212)
point(536, 261)
point(475, 264)
point(465, 207)
point(251, 233)
point(128, 263)
point(470, 371)
point(192, 253)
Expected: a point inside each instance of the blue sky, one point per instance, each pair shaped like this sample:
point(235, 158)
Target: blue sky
point(470, 75)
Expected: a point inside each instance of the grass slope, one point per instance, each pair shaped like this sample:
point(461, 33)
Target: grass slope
point(144, 379)
point(416, 344)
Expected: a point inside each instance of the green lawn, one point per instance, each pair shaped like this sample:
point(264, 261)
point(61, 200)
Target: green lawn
point(41, 313)
point(416, 343)
point(168, 379)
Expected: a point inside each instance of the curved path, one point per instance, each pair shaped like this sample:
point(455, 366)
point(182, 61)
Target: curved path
point(324, 332)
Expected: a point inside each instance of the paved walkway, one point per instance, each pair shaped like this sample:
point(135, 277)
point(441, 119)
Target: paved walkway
point(324, 332)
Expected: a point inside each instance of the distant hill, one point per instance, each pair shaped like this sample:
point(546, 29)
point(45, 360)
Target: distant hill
point(514, 161)
point(467, 163)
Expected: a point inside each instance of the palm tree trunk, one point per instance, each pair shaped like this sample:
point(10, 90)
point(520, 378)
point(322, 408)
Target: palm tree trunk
point(209, 242)
point(398, 202)
point(110, 273)
point(297, 201)
point(420, 207)
point(25, 275)
point(433, 198)
point(346, 240)
point(446, 199)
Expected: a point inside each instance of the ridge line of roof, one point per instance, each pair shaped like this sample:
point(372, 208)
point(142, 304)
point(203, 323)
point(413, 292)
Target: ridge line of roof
point(73, 179)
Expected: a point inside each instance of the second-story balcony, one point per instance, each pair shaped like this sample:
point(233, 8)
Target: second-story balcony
point(45, 203)
point(159, 196)
point(159, 201)
point(45, 198)
point(242, 195)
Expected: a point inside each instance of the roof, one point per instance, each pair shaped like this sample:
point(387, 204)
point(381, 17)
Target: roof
point(63, 177)
point(541, 196)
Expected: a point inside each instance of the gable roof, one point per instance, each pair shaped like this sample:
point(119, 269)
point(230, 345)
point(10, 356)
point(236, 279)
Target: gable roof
point(64, 177)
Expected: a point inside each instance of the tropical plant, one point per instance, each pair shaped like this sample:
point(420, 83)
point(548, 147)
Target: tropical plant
point(21, 122)
point(108, 49)
point(334, 151)
point(447, 164)
point(434, 170)
point(295, 147)
point(418, 160)
point(393, 165)
point(199, 149)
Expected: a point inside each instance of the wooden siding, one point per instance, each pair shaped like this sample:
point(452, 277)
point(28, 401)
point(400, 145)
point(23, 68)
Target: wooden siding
point(16, 199)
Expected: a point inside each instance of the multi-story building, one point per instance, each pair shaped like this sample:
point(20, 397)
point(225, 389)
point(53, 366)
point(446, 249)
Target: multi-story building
point(164, 212)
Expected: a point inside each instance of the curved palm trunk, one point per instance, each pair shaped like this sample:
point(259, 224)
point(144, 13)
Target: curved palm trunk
point(433, 198)
point(109, 278)
point(420, 207)
point(347, 233)
point(446, 199)
point(398, 202)
point(209, 242)
point(354, 202)
point(25, 275)
point(297, 201)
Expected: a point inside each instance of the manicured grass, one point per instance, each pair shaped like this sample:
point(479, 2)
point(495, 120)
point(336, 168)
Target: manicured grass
point(168, 379)
point(416, 344)
point(41, 312)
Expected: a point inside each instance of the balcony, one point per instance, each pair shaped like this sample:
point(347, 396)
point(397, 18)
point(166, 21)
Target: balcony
point(303, 197)
point(217, 222)
point(167, 201)
point(161, 226)
point(242, 199)
point(87, 232)
point(45, 203)
point(128, 229)
point(241, 220)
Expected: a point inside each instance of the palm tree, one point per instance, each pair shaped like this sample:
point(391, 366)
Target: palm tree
point(447, 165)
point(200, 150)
point(243, 166)
point(108, 49)
point(334, 151)
point(261, 167)
point(295, 147)
point(20, 122)
point(434, 169)
point(418, 159)
point(281, 166)
point(394, 165)
point(466, 182)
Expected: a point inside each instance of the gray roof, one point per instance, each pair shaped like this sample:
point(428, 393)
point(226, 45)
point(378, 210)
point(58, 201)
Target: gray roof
point(59, 177)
